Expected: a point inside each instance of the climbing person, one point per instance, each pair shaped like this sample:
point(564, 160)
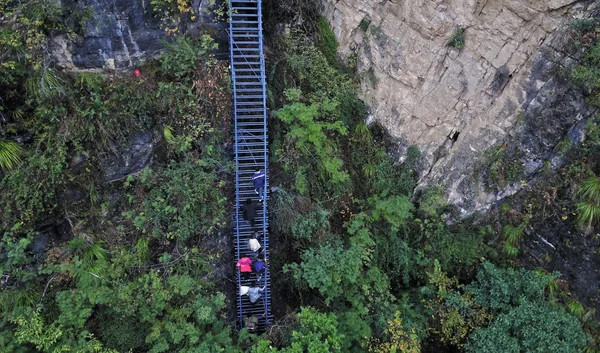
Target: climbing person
point(245, 267)
point(259, 265)
point(251, 323)
point(253, 292)
point(254, 244)
point(249, 212)
point(258, 179)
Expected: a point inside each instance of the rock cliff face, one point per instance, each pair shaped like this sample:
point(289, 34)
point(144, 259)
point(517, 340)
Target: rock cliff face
point(457, 103)
point(118, 33)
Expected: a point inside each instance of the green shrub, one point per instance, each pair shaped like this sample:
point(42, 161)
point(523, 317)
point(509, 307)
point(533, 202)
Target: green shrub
point(457, 39)
point(10, 154)
point(588, 209)
point(120, 331)
point(365, 23)
point(181, 201)
point(183, 55)
point(309, 144)
point(529, 328)
point(305, 227)
point(31, 192)
point(327, 42)
point(502, 166)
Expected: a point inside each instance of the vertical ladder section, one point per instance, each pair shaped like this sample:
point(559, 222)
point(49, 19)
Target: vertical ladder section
point(251, 144)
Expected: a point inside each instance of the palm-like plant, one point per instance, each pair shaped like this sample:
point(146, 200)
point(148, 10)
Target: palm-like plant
point(10, 154)
point(588, 209)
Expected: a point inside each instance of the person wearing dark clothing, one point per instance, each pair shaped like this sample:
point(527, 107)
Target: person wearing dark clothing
point(251, 323)
point(258, 179)
point(249, 211)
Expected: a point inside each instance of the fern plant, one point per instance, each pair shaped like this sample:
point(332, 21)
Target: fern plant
point(588, 209)
point(10, 154)
point(45, 83)
point(575, 308)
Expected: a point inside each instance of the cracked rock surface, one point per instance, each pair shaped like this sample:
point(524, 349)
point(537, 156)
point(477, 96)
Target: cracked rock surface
point(454, 104)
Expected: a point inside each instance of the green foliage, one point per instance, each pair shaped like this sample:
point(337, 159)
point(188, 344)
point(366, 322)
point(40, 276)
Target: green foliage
point(120, 331)
point(529, 327)
point(183, 55)
point(305, 227)
point(457, 40)
point(44, 84)
point(317, 333)
point(575, 308)
point(431, 202)
point(46, 338)
point(502, 166)
point(31, 192)
point(331, 269)
point(394, 210)
point(168, 134)
point(588, 209)
point(399, 341)
point(10, 154)
point(456, 314)
point(364, 23)
point(502, 289)
point(459, 249)
point(327, 42)
point(308, 136)
point(172, 308)
point(513, 236)
point(182, 200)
point(173, 13)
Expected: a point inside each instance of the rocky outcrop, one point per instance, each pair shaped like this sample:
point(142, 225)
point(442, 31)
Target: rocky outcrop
point(129, 159)
point(456, 103)
point(118, 34)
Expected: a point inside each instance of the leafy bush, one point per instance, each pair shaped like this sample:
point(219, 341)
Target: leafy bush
point(316, 332)
point(182, 201)
point(173, 13)
point(457, 39)
point(183, 55)
point(308, 136)
point(305, 227)
point(31, 192)
point(502, 289)
point(502, 166)
point(327, 42)
point(529, 328)
point(588, 209)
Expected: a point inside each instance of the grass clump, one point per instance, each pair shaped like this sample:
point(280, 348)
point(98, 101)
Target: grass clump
point(327, 42)
point(457, 40)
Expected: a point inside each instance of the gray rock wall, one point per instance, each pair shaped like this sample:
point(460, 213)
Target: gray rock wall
point(119, 34)
point(455, 104)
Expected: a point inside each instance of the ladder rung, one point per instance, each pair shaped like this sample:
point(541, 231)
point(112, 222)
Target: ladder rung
point(250, 97)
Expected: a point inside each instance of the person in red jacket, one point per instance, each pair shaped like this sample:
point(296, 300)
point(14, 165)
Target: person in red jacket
point(245, 266)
